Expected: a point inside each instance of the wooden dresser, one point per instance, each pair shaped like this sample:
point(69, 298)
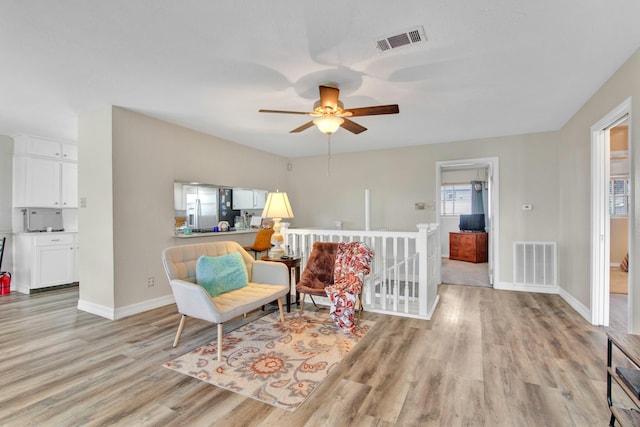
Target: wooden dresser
point(471, 247)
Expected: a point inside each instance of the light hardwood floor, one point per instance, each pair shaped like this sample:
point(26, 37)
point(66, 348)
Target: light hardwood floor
point(487, 358)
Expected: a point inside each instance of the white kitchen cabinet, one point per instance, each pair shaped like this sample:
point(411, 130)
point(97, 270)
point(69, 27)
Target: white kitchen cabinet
point(242, 199)
point(248, 199)
point(69, 185)
point(44, 183)
point(36, 182)
point(259, 199)
point(70, 152)
point(42, 147)
point(44, 259)
point(36, 146)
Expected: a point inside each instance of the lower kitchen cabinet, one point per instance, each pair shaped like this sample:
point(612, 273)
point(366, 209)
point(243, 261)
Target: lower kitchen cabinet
point(44, 259)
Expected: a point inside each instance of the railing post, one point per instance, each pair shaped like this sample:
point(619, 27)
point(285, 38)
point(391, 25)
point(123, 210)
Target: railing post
point(423, 268)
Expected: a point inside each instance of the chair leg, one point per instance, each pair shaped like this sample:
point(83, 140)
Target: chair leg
point(302, 302)
point(219, 342)
point(183, 319)
point(281, 311)
point(313, 301)
point(360, 307)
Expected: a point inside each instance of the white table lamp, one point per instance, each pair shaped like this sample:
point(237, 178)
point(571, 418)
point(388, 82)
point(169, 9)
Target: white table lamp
point(277, 208)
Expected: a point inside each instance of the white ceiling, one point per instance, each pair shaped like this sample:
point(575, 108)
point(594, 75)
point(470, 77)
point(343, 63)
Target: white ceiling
point(489, 68)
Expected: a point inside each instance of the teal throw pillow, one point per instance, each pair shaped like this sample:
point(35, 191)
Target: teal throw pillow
point(220, 274)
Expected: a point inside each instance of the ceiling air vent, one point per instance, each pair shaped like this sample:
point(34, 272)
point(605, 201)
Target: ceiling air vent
point(405, 38)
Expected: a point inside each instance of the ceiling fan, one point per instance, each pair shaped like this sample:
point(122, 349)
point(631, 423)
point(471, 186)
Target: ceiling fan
point(330, 114)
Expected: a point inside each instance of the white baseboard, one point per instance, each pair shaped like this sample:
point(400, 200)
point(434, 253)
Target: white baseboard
point(576, 305)
point(433, 307)
point(615, 265)
point(129, 310)
point(97, 309)
point(541, 289)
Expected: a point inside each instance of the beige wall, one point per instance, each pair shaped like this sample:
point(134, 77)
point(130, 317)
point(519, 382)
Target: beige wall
point(574, 182)
point(129, 220)
point(400, 177)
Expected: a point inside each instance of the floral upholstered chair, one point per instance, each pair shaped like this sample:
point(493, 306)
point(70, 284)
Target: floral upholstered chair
point(353, 262)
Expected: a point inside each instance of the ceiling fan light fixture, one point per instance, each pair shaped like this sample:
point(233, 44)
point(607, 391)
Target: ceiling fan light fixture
point(328, 124)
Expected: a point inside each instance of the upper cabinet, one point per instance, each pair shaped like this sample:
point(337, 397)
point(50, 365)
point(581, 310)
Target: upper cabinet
point(248, 199)
point(259, 198)
point(242, 199)
point(45, 173)
point(70, 152)
point(25, 145)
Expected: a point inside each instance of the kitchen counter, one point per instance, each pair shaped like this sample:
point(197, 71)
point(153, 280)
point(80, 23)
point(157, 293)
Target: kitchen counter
point(243, 237)
point(218, 233)
point(42, 233)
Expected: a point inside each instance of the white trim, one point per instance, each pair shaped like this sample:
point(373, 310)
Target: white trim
point(493, 177)
point(129, 310)
point(600, 218)
point(97, 309)
point(143, 306)
point(580, 308)
point(540, 289)
point(575, 304)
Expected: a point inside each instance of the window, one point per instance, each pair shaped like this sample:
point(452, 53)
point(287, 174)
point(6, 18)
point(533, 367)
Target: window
point(455, 199)
point(619, 197)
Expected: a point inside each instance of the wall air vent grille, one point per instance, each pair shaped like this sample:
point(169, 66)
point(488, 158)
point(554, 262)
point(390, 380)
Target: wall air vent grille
point(398, 40)
point(534, 263)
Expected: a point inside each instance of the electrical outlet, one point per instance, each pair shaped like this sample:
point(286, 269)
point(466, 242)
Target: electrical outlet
point(151, 281)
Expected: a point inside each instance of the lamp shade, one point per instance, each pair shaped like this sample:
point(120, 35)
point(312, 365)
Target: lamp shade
point(277, 206)
point(328, 124)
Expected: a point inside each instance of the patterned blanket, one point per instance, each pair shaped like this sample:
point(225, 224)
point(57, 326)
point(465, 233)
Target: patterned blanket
point(353, 262)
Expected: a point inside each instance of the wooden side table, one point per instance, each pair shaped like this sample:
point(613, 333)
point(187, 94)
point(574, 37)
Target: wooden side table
point(293, 264)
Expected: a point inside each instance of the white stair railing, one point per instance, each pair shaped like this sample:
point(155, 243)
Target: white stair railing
point(404, 272)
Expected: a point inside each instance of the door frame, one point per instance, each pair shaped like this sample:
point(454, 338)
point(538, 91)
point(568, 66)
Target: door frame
point(600, 218)
point(493, 178)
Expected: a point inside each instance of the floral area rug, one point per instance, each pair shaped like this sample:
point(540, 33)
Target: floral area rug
point(274, 363)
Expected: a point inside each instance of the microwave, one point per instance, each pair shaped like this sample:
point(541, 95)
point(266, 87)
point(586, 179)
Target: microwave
point(41, 219)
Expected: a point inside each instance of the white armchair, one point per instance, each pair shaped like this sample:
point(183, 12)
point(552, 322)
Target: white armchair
point(268, 281)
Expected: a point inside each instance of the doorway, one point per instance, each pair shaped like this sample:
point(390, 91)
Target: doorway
point(601, 215)
point(619, 207)
point(485, 171)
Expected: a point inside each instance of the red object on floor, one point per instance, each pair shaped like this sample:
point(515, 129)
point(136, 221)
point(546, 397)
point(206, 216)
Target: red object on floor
point(5, 283)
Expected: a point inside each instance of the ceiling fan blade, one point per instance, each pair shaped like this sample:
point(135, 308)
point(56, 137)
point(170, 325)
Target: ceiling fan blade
point(374, 111)
point(352, 126)
point(282, 112)
point(329, 97)
point(303, 127)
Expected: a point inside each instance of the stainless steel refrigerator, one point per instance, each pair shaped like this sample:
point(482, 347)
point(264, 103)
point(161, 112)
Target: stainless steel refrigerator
point(202, 208)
